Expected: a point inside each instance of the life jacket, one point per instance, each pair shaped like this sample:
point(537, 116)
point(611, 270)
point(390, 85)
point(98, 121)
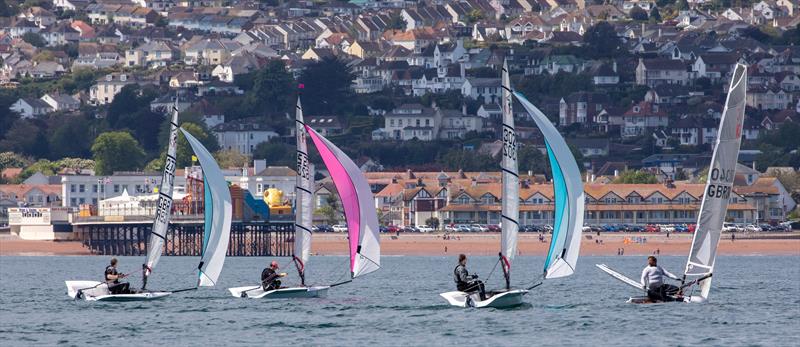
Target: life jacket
point(456, 278)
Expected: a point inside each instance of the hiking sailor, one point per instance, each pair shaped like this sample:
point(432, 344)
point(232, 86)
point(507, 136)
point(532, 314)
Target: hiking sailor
point(112, 277)
point(269, 277)
point(653, 281)
point(466, 283)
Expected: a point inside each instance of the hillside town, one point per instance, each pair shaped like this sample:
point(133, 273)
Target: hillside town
point(411, 90)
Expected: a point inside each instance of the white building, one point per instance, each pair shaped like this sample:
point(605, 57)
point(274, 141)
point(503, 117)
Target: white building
point(107, 87)
point(243, 135)
point(88, 189)
point(411, 121)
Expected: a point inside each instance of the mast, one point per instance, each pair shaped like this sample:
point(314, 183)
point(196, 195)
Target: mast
point(719, 184)
point(509, 215)
point(164, 206)
point(562, 257)
point(303, 198)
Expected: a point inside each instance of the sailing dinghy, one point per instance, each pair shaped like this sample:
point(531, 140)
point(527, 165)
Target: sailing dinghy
point(714, 206)
point(569, 206)
point(217, 219)
point(357, 201)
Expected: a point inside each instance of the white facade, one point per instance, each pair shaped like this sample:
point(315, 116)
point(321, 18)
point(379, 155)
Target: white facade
point(89, 189)
point(243, 141)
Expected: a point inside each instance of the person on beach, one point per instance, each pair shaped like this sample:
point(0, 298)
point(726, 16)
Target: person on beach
point(269, 277)
point(653, 281)
point(112, 279)
point(466, 283)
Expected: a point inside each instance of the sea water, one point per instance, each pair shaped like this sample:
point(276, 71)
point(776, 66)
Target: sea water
point(755, 300)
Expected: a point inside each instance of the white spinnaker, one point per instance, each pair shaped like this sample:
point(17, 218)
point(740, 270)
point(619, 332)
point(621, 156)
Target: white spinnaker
point(220, 215)
point(304, 207)
point(358, 203)
point(714, 207)
point(568, 190)
point(164, 206)
point(510, 210)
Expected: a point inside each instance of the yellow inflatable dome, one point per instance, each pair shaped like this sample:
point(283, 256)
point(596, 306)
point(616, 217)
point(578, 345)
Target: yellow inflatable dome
point(274, 197)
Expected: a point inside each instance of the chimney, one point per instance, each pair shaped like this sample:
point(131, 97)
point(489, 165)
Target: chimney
point(754, 164)
point(642, 30)
point(614, 66)
point(464, 109)
point(259, 165)
point(616, 173)
point(593, 178)
point(530, 173)
point(463, 70)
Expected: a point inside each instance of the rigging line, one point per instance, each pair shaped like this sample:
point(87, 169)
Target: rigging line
point(492, 272)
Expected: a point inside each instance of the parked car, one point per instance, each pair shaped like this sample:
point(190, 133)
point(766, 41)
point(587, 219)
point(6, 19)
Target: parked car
point(382, 229)
point(479, 228)
point(691, 228)
point(681, 229)
point(652, 228)
point(340, 228)
point(729, 227)
point(752, 228)
point(463, 228)
point(425, 229)
point(596, 228)
point(586, 229)
point(495, 228)
point(392, 228)
point(451, 228)
point(410, 229)
point(323, 228)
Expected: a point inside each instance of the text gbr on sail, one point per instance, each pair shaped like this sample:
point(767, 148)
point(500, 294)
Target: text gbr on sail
point(722, 191)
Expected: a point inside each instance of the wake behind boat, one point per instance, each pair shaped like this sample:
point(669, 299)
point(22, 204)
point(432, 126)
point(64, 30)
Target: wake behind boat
point(569, 206)
point(357, 201)
point(714, 206)
point(218, 215)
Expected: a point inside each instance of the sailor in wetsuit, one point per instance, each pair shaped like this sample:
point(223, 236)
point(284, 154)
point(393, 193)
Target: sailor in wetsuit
point(269, 277)
point(112, 279)
point(466, 283)
point(653, 280)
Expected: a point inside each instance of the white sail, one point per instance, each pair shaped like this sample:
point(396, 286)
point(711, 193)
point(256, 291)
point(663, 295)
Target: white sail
point(303, 196)
point(510, 210)
point(562, 256)
point(164, 207)
point(358, 203)
point(218, 214)
point(714, 207)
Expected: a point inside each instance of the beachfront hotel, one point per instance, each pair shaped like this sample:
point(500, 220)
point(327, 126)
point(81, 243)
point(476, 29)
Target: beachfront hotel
point(412, 198)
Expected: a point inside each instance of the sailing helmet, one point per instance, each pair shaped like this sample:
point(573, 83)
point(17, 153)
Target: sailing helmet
point(273, 264)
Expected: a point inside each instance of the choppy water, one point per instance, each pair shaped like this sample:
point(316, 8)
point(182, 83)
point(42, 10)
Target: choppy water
point(755, 301)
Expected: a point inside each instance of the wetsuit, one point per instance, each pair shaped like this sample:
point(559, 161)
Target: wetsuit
point(653, 280)
point(269, 279)
point(466, 283)
point(115, 286)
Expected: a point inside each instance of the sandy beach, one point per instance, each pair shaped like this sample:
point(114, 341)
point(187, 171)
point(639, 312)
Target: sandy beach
point(487, 244)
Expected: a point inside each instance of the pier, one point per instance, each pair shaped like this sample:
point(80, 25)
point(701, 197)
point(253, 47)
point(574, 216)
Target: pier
point(186, 238)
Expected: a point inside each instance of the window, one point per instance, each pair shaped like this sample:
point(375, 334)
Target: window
point(71, 188)
point(116, 188)
point(94, 188)
point(82, 201)
point(81, 188)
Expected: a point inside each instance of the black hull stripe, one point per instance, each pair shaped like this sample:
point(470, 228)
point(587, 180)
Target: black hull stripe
point(303, 189)
point(509, 172)
point(509, 219)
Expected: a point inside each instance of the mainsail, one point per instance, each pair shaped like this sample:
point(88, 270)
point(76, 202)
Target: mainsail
point(510, 210)
point(569, 198)
point(217, 215)
point(720, 182)
point(164, 206)
point(303, 197)
point(358, 203)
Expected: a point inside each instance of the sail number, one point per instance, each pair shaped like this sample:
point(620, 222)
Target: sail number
point(718, 191)
point(302, 165)
point(722, 175)
point(509, 143)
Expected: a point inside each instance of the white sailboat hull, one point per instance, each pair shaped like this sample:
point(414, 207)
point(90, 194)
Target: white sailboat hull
point(643, 299)
point(98, 291)
point(506, 299)
point(696, 299)
point(255, 292)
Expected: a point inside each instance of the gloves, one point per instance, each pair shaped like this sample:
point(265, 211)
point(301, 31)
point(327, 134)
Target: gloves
point(474, 277)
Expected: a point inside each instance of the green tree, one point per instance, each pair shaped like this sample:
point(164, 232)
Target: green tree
point(276, 153)
point(327, 87)
point(474, 16)
point(636, 177)
point(11, 159)
point(638, 14)
point(35, 39)
point(396, 22)
point(681, 5)
point(125, 102)
point(655, 15)
point(531, 159)
point(25, 137)
point(272, 91)
point(328, 213)
point(228, 158)
point(71, 139)
point(602, 41)
point(7, 10)
point(116, 151)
